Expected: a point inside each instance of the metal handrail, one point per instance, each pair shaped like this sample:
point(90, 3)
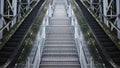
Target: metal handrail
point(43, 36)
point(33, 60)
point(83, 58)
point(74, 23)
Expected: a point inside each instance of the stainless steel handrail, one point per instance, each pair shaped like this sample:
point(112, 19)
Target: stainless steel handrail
point(33, 58)
point(85, 58)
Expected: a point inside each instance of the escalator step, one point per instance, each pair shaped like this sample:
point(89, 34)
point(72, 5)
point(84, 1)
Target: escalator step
point(11, 44)
point(8, 49)
point(17, 37)
point(104, 39)
point(101, 36)
point(111, 49)
point(2, 60)
point(15, 40)
point(114, 54)
point(117, 60)
point(5, 54)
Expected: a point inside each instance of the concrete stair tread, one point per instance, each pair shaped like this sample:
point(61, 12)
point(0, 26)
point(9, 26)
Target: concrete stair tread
point(59, 58)
point(59, 18)
point(61, 62)
point(60, 66)
point(59, 44)
point(60, 54)
point(60, 34)
point(60, 39)
point(59, 51)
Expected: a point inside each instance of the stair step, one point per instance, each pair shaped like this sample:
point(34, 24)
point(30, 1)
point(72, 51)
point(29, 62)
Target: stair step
point(101, 36)
point(12, 44)
point(5, 54)
point(59, 54)
point(107, 44)
point(15, 40)
point(60, 35)
point(104, 40)
point(60, 62)
point(60, 58)
point(59, 29)
point(54, 47)
point(60, 42)
point(60, 66)
point(3, 60)
point(60, 39)
point(111, 49)
point(8, 49)
point(114, 54)
point(59, 51)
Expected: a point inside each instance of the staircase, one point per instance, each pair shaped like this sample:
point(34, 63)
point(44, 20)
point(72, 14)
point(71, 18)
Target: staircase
point(59, 49)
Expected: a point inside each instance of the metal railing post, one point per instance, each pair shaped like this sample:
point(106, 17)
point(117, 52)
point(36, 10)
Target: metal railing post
point(85, 63)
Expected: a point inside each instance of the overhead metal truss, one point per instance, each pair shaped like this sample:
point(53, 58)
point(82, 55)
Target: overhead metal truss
point(108, 11)
point(12, 11)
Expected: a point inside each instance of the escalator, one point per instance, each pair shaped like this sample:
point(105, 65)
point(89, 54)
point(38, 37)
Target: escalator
point(13, 47)
point(107, 48)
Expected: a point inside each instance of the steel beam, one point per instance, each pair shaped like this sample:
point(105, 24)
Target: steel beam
point(105, 5)
point(118, 17)
point(28, 4)
point(1, 17)
point(14, 5)
point(12, 11)
point(100, 9)
point(91, 5)
point(19, 9)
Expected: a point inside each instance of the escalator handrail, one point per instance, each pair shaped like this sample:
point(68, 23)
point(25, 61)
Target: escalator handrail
point(12, 57)
point(79, 44)
point(103, 49)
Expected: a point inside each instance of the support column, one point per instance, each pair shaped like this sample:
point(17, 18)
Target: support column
point(28, 4)
point(36, 0)
point(1, 13)
point(105, 5)
point(100, 6)
point(118, 13)
point(91, 5)
point(19, 9)
point(14, 5)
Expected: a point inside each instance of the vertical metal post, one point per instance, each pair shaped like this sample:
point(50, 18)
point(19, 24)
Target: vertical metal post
point(105, 5)
point(100, 6)
point(36, 0)
point(118, 13)
point(19, 9)
point(91, 4)
point(28, 4)
point(14, 5)
point(1, 13)
point(49, 11)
